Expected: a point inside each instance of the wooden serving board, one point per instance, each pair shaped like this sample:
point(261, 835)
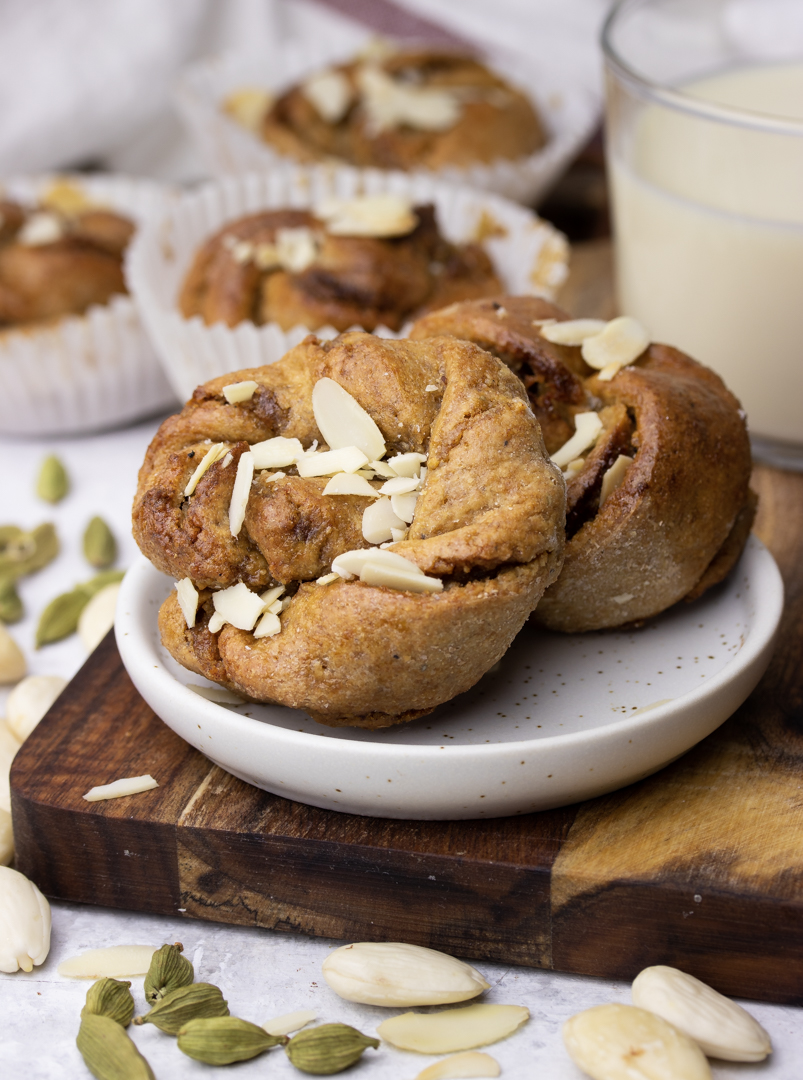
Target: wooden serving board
point(700, 866)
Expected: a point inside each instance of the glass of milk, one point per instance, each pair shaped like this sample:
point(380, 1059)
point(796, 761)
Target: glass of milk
point(705, 157)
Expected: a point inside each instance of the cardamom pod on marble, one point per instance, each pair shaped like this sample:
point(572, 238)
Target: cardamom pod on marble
point(327, 1049)
point(221, 1040)
point(108, 1052)
point(112, 998)
point(52, 484)
point(168, 971)
point(174, 1010)
point(100, 547)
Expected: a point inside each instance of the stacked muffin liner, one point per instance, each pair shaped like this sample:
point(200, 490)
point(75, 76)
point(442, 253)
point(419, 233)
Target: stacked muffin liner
point(86, 372)
point(569, 109)
point(529, 256)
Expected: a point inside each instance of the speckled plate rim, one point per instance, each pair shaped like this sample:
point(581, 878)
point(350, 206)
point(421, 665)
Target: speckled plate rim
point(621, 752)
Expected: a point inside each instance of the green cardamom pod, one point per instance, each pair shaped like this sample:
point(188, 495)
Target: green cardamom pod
point(168, 971)
point(52, 484)
point(10, 604)
point(100, 547)
point(24, 552)
point(327, 1049)
point(220, 1040)
point(177, 1008)
point(112, 998)
point(60, 617)
point(108, 1052)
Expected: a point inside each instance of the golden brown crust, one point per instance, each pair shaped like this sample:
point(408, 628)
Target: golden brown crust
point(489, 522)
point(660, 535)
point(352, 280)
point(44, 281)
point(496, 121)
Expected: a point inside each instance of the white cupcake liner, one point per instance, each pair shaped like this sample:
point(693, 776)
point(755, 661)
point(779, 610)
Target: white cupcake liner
point(87, 372)
point(567, 98)
point(531, 257)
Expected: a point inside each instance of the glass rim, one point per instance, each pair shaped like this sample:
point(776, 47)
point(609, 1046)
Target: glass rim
point(676, 99)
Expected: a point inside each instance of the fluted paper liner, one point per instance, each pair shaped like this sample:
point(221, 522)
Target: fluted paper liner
point(88, 372)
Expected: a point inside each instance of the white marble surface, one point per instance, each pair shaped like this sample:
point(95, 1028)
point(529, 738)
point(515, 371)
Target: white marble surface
point(261, 973)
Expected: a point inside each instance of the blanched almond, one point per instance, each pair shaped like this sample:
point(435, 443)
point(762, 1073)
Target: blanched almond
point(24, 922)
point(12, 659)
point(347, 459)
point(343, 421)
point(287, 1022)
point(399, 485)
point(587, 427)
point(403, 506)
point(268, 626)
point(385, 215)
point(618, 344)
point(461, 1067)
point(238, 605)
point(187, 596)
point(236, 392)
point(350, 484)
point(330, 94)
point(351, 563)
point(213, 454)
point(407, 464)
point(276, 453)
point(395, 973)
point(719, 1026)
point(29, 701)
point(115, 962)
point(118, 789)
point(379, 520)
point(452, 1030)
point(376, 574)
point(97, 618)
point(621, 1042)
point(613, 477)
point(573, 332)
point(241, 492)
point(296, 249)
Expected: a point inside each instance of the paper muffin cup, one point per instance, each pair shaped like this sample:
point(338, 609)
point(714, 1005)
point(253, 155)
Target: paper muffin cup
point(529, 256)
point(83, 373)
point(565, 94)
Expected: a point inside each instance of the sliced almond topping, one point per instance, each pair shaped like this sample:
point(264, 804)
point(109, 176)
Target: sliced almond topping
point(271, 594)
point(453, 1029)
point(573, 332)
point(242, 251)
point(407, 464)
point(614, 476)
point(216, 623)
point(187, 596)
point(343, 421)
point(350, 484)
point(430, 388)
point(268, 626)
point(276, 453)
point(383, 215)
point(587, 428)
point(296, 249)
point(330, 94)
point(266, 257)
point(623, 598)
point(129, 785)
point(350, 563)
point(115, 962)
point(397, 535)
point(347, 459)
point(389, 103)
point(41, 228)
point(403, 506)
point(248, 106)
point(227, 460)
point(327, 579)
point(381, 468)
point(461, 1067)
point(213, 454)
point(276, 608)
point(374, 573)
point(399, 485)
point(618, 344)
point(378, 521)
point(240, 391)
point(238, 605)
point(574, 467)
point(66, 197)
point(283, 1025)
point(240, 492)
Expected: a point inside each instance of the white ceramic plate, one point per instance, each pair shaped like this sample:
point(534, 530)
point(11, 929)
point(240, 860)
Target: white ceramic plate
point(562, 718)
